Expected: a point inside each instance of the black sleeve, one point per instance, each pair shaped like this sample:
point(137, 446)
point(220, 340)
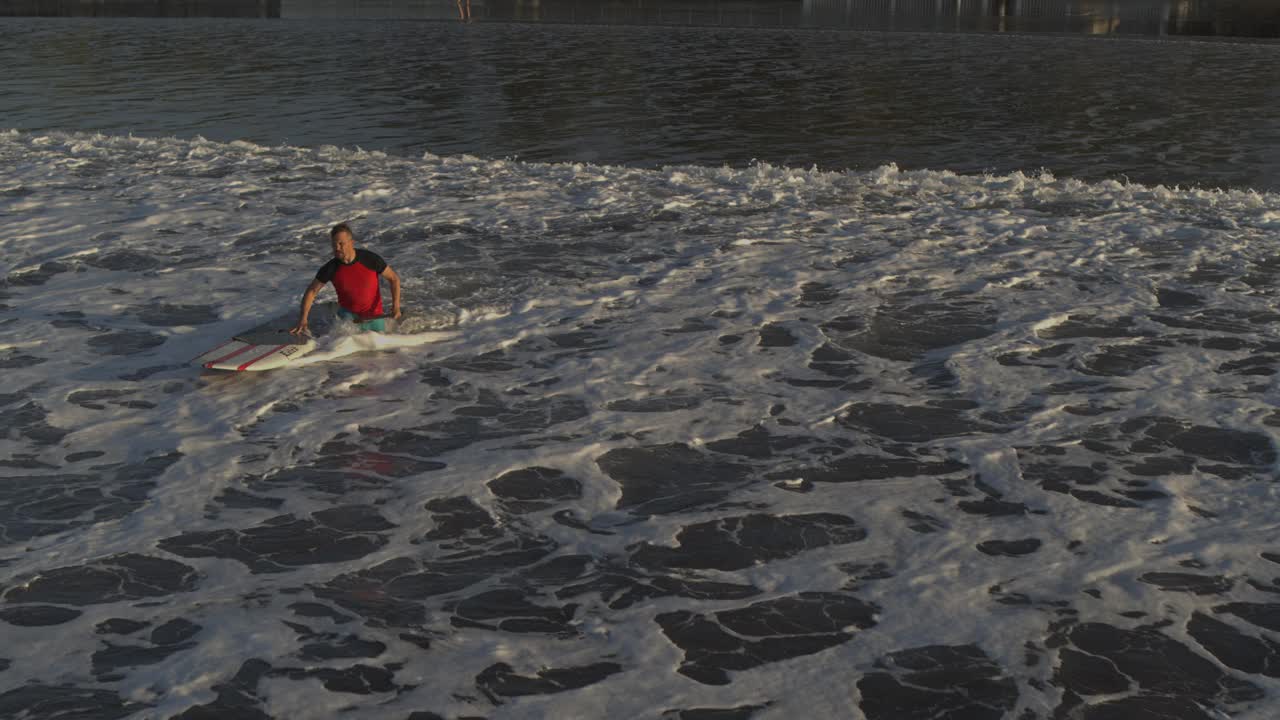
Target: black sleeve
point(325, 274)
point(371, 260)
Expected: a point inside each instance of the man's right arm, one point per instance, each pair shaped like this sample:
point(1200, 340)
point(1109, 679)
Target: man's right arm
point(308, 298)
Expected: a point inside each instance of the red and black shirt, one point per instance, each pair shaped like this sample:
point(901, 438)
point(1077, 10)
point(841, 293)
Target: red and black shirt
point(356, 283)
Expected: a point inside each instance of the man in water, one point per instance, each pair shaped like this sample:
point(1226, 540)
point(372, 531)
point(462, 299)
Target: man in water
point(354, 274)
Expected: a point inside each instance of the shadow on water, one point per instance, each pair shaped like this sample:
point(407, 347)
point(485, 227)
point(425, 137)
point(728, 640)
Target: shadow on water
point(1243, 18)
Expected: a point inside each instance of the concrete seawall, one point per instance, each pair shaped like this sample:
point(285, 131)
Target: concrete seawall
point(1248, 18)
point(1244, 18)
point(1257, 18)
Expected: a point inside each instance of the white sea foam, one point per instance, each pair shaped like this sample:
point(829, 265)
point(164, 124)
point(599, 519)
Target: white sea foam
point(646, 298)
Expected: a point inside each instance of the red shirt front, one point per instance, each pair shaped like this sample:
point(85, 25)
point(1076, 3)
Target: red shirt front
point(356, 283)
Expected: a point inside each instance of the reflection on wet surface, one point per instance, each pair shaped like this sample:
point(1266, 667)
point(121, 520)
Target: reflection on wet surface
point(1141, 17)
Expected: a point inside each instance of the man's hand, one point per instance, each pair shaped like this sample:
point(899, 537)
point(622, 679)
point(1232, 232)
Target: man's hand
point(308, 297)
point(395, 312)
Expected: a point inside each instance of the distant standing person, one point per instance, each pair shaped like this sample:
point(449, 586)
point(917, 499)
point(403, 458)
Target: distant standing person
point(464, 10)
point(355, 276)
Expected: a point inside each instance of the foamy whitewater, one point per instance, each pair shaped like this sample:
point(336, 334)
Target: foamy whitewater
point(707, 442)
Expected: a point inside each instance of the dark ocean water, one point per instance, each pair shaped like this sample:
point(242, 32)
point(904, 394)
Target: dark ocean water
point(1172, 112)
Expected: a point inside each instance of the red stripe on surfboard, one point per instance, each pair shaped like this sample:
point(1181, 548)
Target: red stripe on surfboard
point(230, 355)
point(272, 351)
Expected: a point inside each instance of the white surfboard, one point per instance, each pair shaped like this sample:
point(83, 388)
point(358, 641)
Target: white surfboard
point(257, 349)
point(271, 345)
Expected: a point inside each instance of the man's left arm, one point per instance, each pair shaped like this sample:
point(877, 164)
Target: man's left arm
point(394, 280)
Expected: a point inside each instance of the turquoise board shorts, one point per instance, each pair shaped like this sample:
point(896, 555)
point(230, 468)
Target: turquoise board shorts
point(379, 325)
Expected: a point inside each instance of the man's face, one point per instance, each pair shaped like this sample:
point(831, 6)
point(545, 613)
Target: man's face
point(343, 246)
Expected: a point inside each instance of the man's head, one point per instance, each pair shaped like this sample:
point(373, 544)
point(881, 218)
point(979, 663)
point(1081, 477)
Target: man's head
point(344, 243)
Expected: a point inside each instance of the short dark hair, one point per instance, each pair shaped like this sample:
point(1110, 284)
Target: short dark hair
point(341, 228)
